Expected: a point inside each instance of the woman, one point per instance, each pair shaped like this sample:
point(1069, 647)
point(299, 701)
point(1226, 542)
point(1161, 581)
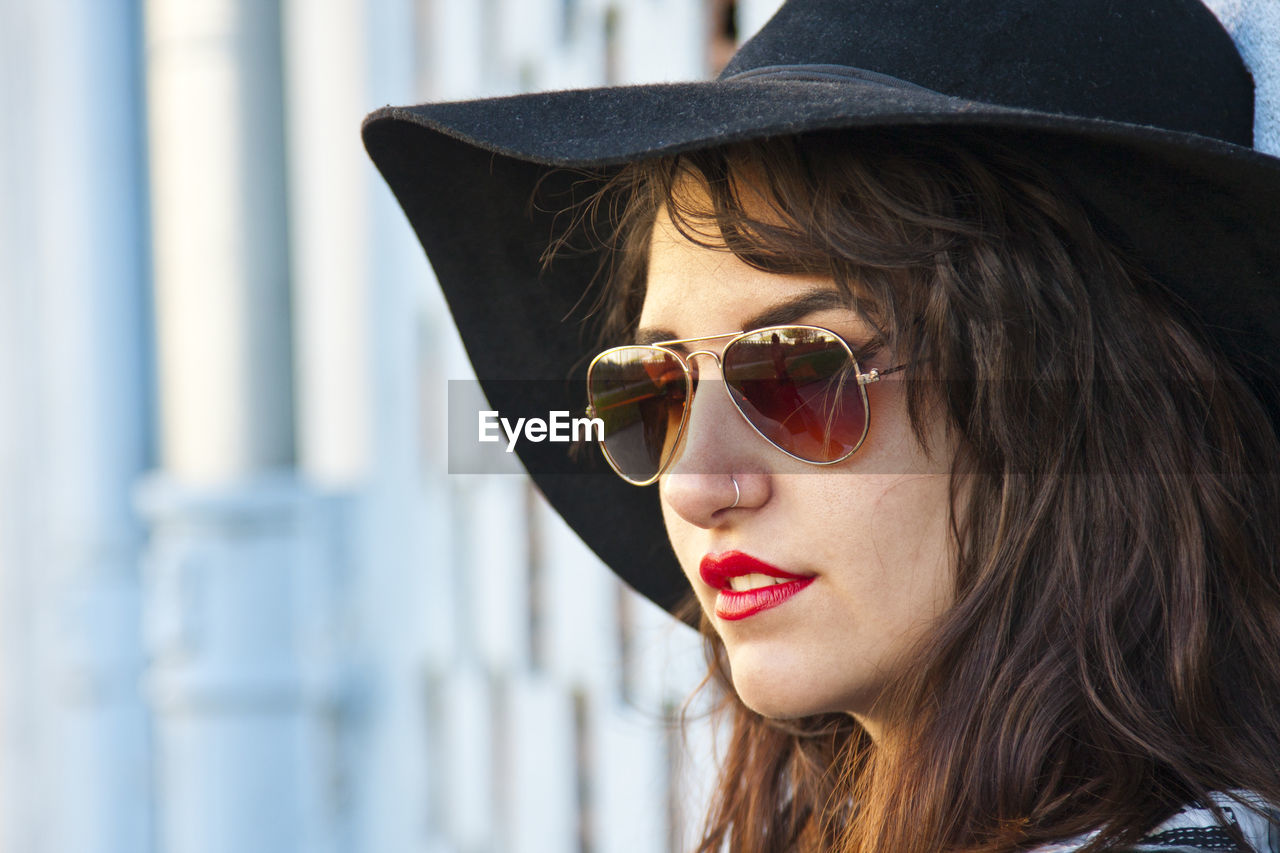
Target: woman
point(984, 529)
point(1045, 509)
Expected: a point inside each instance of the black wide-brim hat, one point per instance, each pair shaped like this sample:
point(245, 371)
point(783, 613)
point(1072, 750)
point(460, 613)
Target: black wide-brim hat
point(1142, 107)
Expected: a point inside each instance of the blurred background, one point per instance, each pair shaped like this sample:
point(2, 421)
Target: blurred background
point(243, 605)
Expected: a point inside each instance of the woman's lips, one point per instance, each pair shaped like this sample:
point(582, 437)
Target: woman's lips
point(746, 585)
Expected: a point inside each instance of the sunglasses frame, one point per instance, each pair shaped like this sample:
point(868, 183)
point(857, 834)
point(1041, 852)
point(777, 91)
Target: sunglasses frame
point(685, 360)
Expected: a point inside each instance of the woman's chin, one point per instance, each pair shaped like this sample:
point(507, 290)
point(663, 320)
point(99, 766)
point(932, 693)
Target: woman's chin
point(777, 707)
point(783, 692)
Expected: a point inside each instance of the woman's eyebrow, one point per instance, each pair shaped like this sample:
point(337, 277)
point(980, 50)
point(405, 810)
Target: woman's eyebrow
point(797, 308)
point(790, 311)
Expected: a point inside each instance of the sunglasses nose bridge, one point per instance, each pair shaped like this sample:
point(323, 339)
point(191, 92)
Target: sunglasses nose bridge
point(700, 451)
point(718, 358)
point(715, 355)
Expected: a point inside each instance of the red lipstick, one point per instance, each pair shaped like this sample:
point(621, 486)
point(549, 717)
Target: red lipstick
point(719, 570)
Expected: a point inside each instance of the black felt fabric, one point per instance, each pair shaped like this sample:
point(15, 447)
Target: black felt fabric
point(1143, 107)
point(523, 330)
point(1159, 62)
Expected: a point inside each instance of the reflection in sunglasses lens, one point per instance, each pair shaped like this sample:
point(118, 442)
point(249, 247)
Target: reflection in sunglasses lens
point(639, 393)
point(797, 387)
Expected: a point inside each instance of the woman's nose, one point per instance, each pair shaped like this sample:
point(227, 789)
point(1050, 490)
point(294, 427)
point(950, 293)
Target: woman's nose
point(718, 450)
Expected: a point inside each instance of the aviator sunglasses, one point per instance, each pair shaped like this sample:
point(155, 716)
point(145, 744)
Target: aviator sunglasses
point(799, 387)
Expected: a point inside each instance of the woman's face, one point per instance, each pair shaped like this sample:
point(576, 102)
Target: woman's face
point(872, 531)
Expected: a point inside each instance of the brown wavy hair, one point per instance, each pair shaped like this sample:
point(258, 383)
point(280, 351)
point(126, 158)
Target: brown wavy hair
point(1111, 653)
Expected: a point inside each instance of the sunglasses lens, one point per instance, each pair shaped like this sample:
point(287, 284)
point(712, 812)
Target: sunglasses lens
point(798, 387)
point(639, 393)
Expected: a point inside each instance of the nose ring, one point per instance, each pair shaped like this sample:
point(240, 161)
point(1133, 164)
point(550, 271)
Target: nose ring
point(737, 492)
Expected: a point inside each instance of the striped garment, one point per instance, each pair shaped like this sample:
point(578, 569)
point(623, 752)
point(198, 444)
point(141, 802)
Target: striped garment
point(1195, 829)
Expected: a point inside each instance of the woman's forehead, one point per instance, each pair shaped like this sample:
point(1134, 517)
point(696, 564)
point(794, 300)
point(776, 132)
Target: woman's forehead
point(697, 289)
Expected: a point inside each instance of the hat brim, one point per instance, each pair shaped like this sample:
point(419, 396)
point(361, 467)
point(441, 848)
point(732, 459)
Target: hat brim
point(1201, 215)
